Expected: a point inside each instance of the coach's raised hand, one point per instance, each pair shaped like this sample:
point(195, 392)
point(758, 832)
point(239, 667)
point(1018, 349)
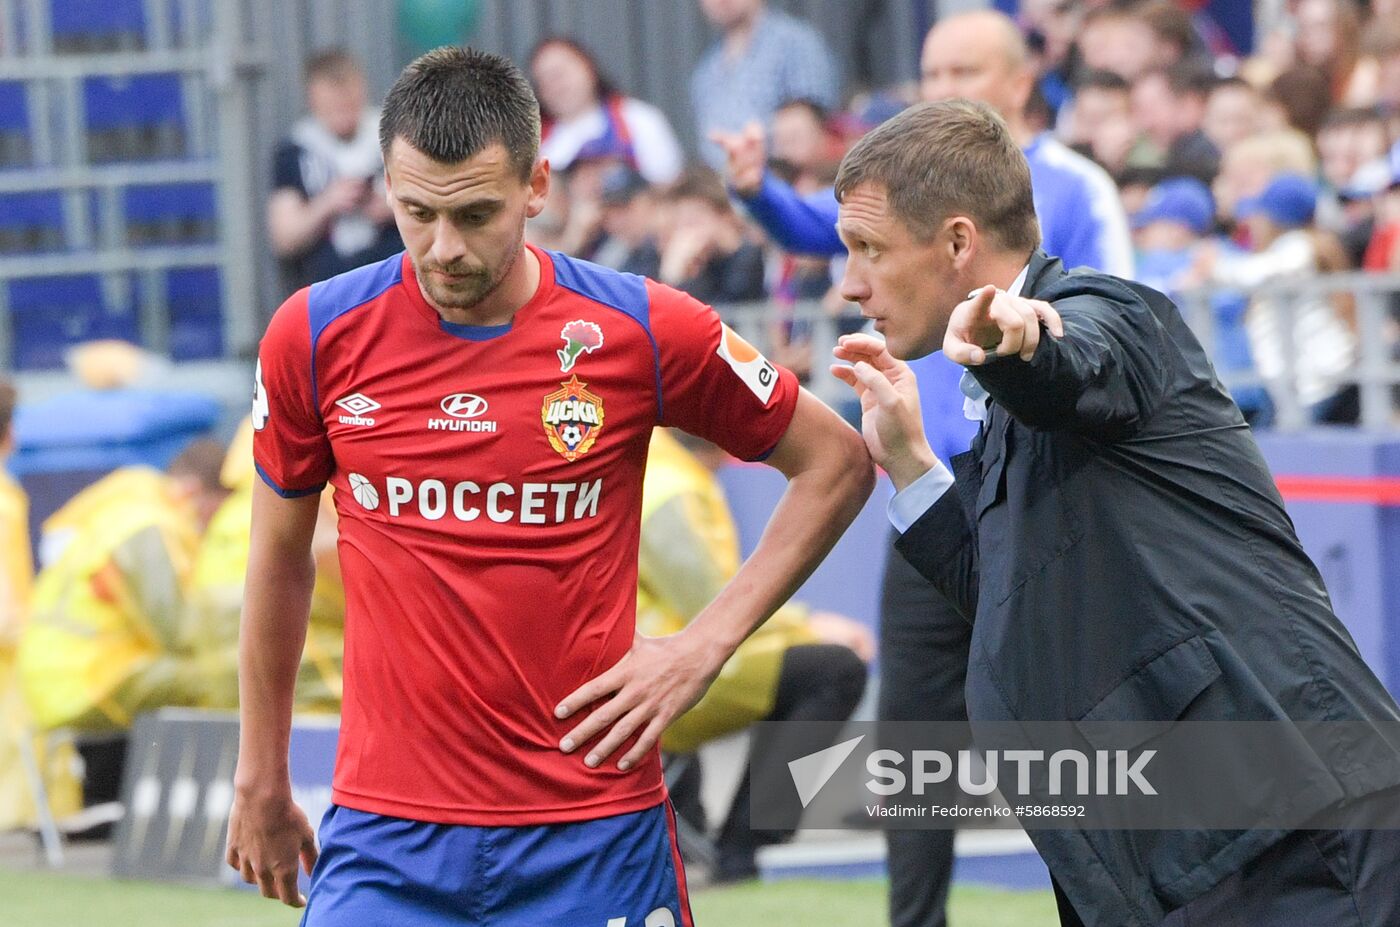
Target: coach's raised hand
point(890, 420)
point(993, 323)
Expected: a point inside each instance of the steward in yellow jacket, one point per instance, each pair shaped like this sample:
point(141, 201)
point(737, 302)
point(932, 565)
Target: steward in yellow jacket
point(216, 595)
point(56, 762)
point(104, 640)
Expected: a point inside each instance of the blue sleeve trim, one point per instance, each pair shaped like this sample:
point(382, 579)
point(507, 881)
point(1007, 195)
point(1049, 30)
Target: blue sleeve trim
point(800, 225)
point(333, 298)
point(286, 493)
point(627, 293)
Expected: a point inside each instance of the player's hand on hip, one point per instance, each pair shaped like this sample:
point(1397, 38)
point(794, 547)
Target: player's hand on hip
point(746, 157)
point(890, 420)
point(267, 837)
point(658, 680)
point(993, 323)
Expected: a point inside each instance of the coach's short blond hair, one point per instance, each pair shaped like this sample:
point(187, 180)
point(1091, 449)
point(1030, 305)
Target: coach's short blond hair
point(953, 158)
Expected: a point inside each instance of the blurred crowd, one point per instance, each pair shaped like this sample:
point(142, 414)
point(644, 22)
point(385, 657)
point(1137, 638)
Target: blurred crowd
point(1206, 167)
point(1232, 170)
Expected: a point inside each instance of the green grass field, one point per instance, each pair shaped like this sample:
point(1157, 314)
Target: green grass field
point(47, 900)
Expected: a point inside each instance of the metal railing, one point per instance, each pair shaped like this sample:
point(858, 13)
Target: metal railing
point(1375, 372)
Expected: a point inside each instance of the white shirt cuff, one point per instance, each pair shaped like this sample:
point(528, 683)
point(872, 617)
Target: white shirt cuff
point(906, 506)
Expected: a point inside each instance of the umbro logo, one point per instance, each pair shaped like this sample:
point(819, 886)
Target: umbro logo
point(357, 404)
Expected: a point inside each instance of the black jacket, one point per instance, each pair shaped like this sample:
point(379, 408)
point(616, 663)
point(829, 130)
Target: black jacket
point(1120, 547)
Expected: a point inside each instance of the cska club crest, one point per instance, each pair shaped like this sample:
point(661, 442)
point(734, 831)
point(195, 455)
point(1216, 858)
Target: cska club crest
point(572, 417)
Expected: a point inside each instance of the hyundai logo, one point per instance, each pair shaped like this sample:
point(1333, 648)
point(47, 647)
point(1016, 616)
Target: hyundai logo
point(464, 405)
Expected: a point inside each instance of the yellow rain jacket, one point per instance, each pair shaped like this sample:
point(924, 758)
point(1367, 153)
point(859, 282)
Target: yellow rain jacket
point(57, 761)
point(689, 550)
point(102, 643)
point(216, 596)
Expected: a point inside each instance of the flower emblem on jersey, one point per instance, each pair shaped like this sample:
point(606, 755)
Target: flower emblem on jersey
point(573, 418)
point(578, 336)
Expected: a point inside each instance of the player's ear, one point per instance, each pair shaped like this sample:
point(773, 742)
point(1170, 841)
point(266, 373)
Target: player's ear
point(539, 188)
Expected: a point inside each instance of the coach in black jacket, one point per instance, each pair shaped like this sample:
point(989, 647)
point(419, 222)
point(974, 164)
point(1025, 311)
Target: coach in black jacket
point(1114, 535)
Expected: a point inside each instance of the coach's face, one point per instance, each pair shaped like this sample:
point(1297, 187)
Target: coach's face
point(906, 285)
point(463, 224)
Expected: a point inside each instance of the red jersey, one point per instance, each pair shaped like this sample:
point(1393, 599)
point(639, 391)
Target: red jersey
point(489, 483)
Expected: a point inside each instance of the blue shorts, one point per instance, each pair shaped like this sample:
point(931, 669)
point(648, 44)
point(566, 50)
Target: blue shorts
point(378, 871)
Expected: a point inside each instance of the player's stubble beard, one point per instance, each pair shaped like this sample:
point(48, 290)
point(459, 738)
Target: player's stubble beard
point(466, 298)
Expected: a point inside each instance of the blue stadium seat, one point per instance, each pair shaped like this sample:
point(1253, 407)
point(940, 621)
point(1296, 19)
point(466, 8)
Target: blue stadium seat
point(195, 303)
point(31, 222)
point(15, 148)
point(48, 314)
point(170, 214)
point(85, 26)
point(136, 118)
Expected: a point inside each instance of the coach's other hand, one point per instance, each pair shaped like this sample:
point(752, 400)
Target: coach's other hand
point(658, 680)
point(890, 420)
point(267, 836)
point(993, 323)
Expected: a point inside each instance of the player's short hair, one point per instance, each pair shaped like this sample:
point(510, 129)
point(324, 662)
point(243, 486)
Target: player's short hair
point(955, 157)
point(8, 399)
point(452, 103)
point(333, 64)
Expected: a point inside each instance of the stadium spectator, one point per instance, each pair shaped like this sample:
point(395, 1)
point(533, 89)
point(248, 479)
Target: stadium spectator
point(1050, 27)
point(1176, 41)
point(629, 224)
point(105, 640)
point(800, 666)
point(1247, 166)
point(1383, 252)
point(763, 59)
point(1381, 44)
point(704, 251)
point(1284, 243)
point(1169, 107)
point(1233, 112)
point(1100, 123)
point(1116, 38)
point(585, 115)
point(1302, 97)
point(1329, 38)
point(54, 761)
point(327, 213)
point(805, 151)
point(1352, 148)
point(1174, 221)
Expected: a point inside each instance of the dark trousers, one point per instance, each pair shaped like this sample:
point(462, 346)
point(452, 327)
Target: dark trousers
point(923, 666)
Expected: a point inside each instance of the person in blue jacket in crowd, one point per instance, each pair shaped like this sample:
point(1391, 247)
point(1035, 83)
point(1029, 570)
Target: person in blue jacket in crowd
point(1175, 220)
point(982, 56)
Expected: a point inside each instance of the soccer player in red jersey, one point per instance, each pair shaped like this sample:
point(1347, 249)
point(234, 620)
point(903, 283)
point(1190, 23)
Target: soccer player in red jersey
point(483, 410)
